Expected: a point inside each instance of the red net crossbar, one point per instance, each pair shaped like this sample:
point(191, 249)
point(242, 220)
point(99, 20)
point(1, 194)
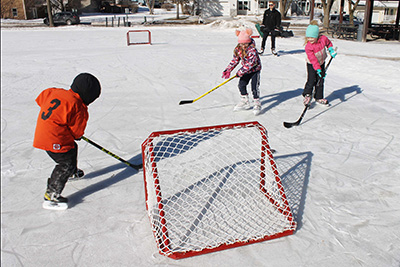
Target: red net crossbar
point(212, 188)
point(136, 37)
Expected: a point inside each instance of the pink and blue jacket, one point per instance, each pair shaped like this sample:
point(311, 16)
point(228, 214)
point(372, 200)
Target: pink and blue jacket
point(251, 63)
point(316, 52)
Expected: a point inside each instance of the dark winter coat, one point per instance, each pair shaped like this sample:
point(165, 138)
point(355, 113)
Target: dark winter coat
point(271, 20)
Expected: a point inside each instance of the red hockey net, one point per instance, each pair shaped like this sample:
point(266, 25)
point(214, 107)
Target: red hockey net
point(212, 188)
point(136, 37)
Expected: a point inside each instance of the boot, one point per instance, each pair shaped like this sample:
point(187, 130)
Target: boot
point(243, 104)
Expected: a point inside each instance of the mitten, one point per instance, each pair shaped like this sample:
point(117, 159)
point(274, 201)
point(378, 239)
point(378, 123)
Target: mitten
point(332, 52)
point(226, 74)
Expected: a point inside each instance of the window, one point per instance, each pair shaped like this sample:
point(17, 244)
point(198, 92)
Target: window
point(263, 3)
point(243, 5)
point(14, 12)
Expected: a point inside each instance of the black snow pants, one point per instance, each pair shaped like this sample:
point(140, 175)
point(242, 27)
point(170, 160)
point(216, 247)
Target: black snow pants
point(65, 168)
point(312, 82)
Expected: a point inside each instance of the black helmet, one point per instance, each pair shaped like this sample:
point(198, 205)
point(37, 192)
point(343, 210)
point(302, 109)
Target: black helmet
point(87, 86)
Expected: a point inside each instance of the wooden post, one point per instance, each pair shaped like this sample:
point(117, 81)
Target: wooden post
point(369, 6)
point(312, 3)
point(396, 32)
point(341, 11)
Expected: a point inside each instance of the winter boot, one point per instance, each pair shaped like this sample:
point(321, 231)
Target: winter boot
point(243, 104)
point(307, 100)
point(257, 107)
point(78, 174)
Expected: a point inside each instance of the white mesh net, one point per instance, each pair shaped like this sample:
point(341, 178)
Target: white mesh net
point(136, 37)
point(212, 187)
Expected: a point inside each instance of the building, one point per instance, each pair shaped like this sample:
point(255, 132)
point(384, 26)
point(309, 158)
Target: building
point(30, 9)
point(383, 11)
point(232, 7)
point(23, 9)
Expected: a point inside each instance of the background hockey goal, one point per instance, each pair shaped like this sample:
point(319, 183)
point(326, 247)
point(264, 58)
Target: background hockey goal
point(136, 37)
point(213, 188)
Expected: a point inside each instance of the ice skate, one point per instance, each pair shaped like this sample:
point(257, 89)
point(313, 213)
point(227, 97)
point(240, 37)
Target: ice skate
point(274, 52)
point(54, 201)
point(307, 100)
point(323, 102)
point(243, 104)
point(257, 107)
point(77, 175)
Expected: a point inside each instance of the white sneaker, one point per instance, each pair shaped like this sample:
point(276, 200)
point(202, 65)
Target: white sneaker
point(257, 107)
point(243, 104)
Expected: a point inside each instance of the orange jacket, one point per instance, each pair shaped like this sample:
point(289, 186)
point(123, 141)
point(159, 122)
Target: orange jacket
point(62, 119)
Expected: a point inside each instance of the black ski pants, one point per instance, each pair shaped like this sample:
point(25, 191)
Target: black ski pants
point(255, 84)
point(266, 34)
point(65, 168)
point(312, 82)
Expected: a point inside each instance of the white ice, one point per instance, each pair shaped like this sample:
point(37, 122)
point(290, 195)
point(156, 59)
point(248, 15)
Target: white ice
point(340, 167)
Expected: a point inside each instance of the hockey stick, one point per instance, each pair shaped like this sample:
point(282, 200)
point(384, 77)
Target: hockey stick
point(296, 123)
point(136, 167)
point(183, 102)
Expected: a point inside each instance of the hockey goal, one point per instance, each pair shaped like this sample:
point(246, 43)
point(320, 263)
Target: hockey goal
point(136, 37)
point(213, 188)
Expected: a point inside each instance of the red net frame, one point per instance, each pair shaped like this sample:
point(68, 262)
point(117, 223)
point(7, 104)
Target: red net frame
point(129, 41)
point(161, 225)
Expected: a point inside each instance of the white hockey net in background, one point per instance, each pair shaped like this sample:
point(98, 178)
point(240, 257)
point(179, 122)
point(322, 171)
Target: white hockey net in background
point(135, 37)
point(213, 188)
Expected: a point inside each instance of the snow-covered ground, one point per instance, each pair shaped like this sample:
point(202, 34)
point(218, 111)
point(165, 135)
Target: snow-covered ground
point(340, 167)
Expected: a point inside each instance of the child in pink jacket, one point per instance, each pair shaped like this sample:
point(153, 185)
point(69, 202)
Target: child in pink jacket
point(316, 54)
point(246, 52)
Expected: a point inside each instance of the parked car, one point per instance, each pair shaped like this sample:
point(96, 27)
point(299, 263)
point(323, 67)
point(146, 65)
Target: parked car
point(334, 19)
point(67, 18)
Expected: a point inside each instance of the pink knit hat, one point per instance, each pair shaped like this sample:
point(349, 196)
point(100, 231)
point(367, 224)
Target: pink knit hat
point(244, 36)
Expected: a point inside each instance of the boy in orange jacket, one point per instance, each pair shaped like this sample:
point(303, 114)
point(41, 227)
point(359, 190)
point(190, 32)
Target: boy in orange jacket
point(62, 120)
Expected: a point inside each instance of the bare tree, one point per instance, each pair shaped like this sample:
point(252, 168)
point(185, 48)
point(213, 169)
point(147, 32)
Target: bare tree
point(50, 13)
point(177, 8)
point(194, 7)
point(284, 6)
point(352, 8)
point(327, 6)
point(150, 5)
point(181, 3)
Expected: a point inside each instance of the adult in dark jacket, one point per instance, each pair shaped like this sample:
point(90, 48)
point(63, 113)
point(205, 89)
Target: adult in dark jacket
point(271, 21)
